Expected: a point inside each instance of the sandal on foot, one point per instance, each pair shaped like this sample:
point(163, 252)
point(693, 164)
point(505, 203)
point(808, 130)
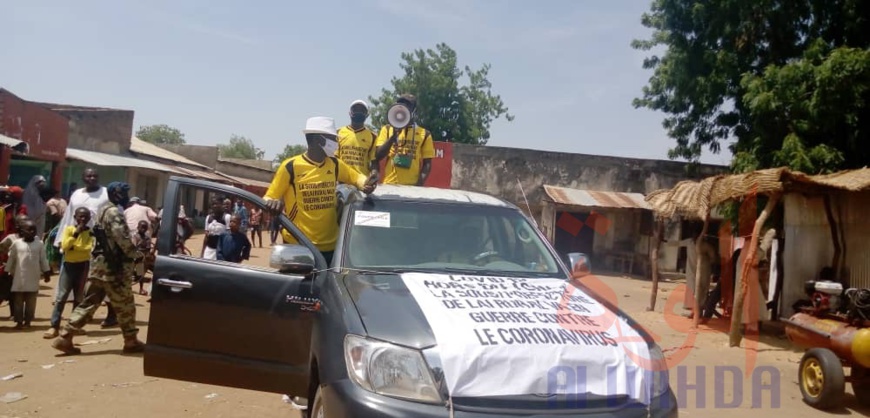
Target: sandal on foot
point(65, 346)
point(136, 347)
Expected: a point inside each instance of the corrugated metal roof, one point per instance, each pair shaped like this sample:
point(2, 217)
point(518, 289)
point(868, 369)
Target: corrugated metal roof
point(206, 175)
point(265, 165)
point(10, 142)
point(245, 181)
point(111, 160)
point(596, 199)
point(142, 147)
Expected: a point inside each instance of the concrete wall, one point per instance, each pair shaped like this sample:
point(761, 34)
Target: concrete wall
point(149, 185)
point(247, 172)
point(44, 131)
point(203, 154)
point(101, 130)
point(495, 170)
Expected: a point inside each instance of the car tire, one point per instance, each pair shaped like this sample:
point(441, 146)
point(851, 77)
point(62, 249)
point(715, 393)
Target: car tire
point(316, 410)
point(821, 378)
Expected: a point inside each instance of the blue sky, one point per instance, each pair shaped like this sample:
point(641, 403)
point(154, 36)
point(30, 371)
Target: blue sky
point(213, 68)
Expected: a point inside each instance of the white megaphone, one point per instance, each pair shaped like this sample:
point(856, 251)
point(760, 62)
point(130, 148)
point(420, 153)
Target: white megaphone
point(399, 116)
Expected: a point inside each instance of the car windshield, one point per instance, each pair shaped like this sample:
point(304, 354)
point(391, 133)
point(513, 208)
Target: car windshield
point(441, 237)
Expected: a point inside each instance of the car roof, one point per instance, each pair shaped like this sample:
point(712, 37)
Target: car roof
point(434, 194)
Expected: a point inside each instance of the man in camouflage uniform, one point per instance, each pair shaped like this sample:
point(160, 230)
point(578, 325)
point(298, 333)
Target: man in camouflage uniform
point(111, 274)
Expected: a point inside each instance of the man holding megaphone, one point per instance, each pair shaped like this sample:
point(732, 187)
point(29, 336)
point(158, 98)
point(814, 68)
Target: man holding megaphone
point(409, 148)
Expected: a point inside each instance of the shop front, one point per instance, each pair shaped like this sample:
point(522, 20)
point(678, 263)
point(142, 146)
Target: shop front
point(611, 228)
point(45, 134)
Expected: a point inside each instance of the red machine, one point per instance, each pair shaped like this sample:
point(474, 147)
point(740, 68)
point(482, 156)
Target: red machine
point(833, 326)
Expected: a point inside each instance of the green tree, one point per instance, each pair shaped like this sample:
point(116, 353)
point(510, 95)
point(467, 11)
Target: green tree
point(290, 150)
point(160, 134)
point(786, 80)
point(241, 147)
point(450, 111)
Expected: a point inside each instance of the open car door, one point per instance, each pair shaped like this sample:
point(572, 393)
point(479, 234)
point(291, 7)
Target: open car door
point(222, 323)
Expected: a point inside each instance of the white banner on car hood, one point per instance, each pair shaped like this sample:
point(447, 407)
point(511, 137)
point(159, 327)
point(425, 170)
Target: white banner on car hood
point(503, 336)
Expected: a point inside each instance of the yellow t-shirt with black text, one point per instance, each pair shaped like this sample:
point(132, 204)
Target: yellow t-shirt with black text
point(356, 148)
point(415, 142)
point(308, 190)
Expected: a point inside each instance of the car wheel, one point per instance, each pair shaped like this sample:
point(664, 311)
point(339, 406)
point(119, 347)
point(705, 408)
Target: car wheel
point(316, 410)
point(821, 378)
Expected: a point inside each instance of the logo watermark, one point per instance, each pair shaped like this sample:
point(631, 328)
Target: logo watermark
point(727, 386)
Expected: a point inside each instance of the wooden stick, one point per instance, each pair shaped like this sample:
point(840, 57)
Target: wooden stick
point(835, 236)
point(699, 243)
point(658, 232)
point(845, 249)
point(749, 262)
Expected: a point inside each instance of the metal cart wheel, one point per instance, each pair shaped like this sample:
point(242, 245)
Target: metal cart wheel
point(821, 379)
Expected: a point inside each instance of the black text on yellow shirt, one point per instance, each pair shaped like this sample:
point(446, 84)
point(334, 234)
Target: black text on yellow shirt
point(308, 191)
point(356, 147)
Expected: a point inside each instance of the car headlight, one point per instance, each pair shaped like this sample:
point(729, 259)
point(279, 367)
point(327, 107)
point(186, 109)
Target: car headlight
point(657, 372)
point(390, 370)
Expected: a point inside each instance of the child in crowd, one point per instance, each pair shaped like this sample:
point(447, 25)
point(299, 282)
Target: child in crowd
point(216, 225)
point(142, 241)
point(5, 273)
point(234, 245)
point(77, 243)
point(27, 260)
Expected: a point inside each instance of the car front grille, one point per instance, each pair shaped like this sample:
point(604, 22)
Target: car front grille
point(550, 405)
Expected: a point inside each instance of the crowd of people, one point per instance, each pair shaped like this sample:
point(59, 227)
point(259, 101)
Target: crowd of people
point(101, 241)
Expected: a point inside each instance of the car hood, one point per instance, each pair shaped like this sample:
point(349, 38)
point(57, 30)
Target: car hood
point(388, 310)
point(500, 325)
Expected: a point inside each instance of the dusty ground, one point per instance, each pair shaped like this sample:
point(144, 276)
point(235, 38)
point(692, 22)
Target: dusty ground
point(104, 383)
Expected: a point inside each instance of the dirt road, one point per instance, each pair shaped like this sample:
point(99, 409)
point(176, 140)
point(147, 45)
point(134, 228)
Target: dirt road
point(102, 382)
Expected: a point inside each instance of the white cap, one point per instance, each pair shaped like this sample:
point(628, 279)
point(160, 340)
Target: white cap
point(360, 102)
point(320, 125)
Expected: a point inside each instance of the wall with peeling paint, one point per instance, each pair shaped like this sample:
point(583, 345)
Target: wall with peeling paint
point(495, 170)
point(97, 129)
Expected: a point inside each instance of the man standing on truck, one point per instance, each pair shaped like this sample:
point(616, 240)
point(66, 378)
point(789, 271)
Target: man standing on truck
point(356, 142)
point(111, 272)
point(304, 186)
point(409, 150)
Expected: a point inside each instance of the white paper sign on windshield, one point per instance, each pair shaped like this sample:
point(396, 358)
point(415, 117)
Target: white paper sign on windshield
point(503, 336)
point(370, 218)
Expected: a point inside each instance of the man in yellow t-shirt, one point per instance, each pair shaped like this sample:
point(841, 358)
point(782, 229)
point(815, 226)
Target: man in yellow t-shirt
point(356, 142)
point(304, 186)
point(409, 150)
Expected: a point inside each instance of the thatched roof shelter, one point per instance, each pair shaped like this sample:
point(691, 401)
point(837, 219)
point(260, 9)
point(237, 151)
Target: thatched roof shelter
point(694, 199)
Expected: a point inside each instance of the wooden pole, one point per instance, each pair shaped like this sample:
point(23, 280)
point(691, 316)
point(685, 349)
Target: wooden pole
point(658, 233)
point(835, 236)
point(696, 310)
point(845, 249)
point(750, 261)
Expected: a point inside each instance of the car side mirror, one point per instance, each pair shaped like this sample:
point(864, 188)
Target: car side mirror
point(580, 266)
point(292, 259)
